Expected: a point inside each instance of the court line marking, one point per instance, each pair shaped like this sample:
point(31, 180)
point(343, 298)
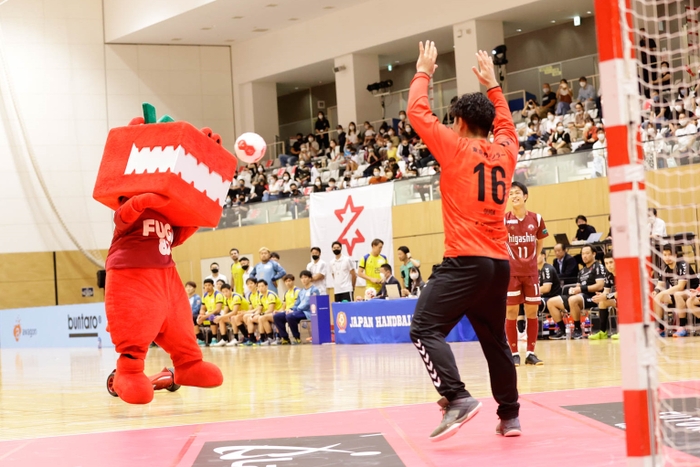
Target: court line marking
point(419, 452)
point(18, 448)
point(186, 447)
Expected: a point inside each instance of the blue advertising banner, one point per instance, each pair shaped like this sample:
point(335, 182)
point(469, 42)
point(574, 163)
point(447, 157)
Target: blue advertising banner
point(55, 326)
point(384, 322)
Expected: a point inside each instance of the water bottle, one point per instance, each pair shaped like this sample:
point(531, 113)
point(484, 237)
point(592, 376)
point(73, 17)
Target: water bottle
point(99, 342)
point(545, 329)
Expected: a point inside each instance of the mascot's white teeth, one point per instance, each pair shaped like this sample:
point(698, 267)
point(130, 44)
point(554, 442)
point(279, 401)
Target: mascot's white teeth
point(179, 162)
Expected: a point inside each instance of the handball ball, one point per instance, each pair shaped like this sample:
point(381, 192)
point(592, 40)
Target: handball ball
point(250, 147)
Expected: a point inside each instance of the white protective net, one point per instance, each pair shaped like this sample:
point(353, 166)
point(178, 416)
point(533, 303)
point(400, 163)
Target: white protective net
point(667, 53)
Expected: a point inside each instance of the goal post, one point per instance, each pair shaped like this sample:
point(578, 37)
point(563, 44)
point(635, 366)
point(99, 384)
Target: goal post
point(628, 213)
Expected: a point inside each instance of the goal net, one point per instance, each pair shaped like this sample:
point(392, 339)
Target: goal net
point(655, 98)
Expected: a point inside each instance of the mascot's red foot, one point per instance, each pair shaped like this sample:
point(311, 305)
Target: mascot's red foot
point(131, 383)
point(200, 374)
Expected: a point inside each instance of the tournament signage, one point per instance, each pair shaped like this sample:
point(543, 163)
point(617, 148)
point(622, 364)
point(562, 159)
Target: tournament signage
point(384, 322)
point(354, 218)
point(54, 326)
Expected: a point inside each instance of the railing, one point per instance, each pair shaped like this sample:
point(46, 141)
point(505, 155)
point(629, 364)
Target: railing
point(532, 169)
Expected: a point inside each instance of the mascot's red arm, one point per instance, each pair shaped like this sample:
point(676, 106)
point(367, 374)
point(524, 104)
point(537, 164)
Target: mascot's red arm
point(134, 207)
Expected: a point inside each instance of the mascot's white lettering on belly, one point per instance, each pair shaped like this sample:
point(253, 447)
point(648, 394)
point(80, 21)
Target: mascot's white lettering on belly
point(164, 232)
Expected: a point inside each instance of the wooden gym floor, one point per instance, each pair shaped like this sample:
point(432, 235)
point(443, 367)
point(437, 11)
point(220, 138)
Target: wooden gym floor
point(49, 392)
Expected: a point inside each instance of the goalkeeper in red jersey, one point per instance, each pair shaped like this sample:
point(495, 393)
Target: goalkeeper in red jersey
point(473, 278)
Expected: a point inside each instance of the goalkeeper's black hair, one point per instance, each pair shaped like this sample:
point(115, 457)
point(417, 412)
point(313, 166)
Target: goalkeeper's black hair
point(476, 110)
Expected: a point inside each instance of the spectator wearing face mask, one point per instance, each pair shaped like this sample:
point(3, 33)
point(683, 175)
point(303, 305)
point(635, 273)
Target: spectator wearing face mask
point(316, 170)
point(416, 283)
point(318, 269)
point(590, 135)
point(560, 141)
point(242, 190)
point(274, 189)
point(259, 188)
point(303, 174)
point(404, 149)
point(215, 275)
point(391, 135)
point(549, 101)
point(343, 270)
point(286, 181)
point(584, 230)
point(374, 160)
point(331, 185)
point(377, 177)
point(564, 98)
point(369, 133)
point(408, 131)
point(297, 203)
point(341, 137)
point(550, 125)
point(600, 154)
point(586, 94)
point(318, 185)
point(352, 137)
point(345, 181)
point(321, 127)
point(685, 132)
point(391, 151)
point(351, 158)
point(402, 121)
point(335, 153)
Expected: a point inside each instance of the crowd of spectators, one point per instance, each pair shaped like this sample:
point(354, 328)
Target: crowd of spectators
point(318, 163)
point(562, 122)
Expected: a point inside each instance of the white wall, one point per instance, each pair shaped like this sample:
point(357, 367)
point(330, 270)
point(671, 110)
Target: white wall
point(55, 56)
point(70, 89)
point(127, 16)
point(190, 83)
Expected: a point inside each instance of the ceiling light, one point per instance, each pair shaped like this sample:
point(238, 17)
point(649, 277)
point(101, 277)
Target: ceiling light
point(397, 61)
point(554, 21)
point(389, 67)
point(518, 30)
point(176, 39)
point(577, 21)
point(207, 28)
point(293, 19)
point(260, 30)
point(588, 12)
point(237, 17)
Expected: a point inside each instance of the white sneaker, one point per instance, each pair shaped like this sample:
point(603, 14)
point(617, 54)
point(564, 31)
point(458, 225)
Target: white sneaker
point(275, 342)
point(522, 336)
point(221, 343)
point(232, 343)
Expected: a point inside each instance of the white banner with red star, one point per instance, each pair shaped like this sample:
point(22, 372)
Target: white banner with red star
point(353, 217)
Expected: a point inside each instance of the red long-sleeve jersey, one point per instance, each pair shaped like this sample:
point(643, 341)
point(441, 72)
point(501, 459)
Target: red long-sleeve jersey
point(476, 175)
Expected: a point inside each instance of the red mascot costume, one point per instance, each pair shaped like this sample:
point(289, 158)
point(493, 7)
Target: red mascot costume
point(164, 179)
